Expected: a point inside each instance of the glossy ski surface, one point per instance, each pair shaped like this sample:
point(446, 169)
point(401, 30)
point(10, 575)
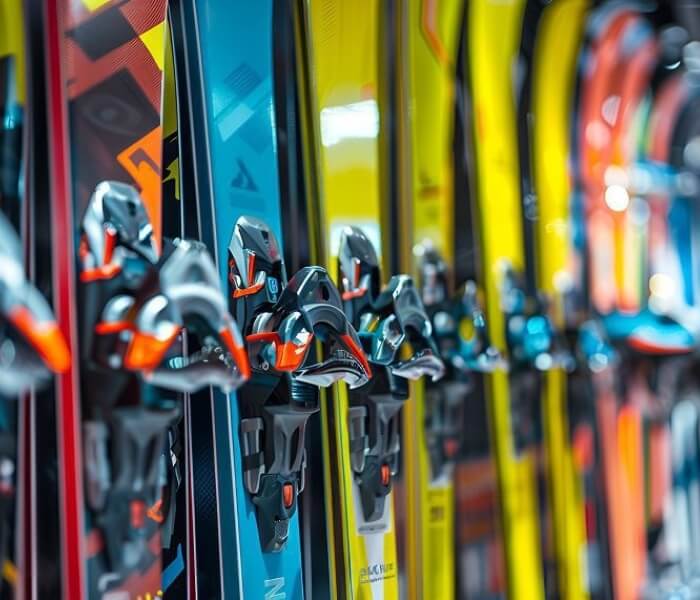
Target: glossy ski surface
point(344, 50)
point(13, 411)
point(106, 61)
point(433, 44)
point(231, 70)
point(554, 66)
point(617, 250)
point(493, 41)
point(178, 555)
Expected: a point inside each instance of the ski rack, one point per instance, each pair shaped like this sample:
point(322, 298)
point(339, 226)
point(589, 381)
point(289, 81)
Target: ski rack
point(459, 328)
point(136, 301)
point(282, 319)
point(386, 320)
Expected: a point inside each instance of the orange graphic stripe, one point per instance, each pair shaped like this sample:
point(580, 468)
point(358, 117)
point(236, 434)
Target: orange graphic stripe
point(429, 27)
point(45, 338)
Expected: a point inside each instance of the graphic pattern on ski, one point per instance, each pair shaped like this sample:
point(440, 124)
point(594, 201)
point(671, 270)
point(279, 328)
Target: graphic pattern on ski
point(113, 55)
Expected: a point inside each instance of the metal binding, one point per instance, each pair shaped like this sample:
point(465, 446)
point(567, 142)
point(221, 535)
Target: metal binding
point(282, 320)
point(136, 300)
point(397, 336)
point(460, 332)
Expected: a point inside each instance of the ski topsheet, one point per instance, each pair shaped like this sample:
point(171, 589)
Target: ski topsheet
point(554, 64)
point(260, 432)
point(113, 56)
point(12, 206)
point(432, 418)
point(344, 53)
point(617, 251)
point(138, 296)
point(671, 427)
point(233, 136)
point(32, 343)
point(493, 41)
point(354, 152)
point(178, 539)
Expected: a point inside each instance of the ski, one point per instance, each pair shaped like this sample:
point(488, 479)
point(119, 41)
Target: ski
point(363, 440)
point(137, 293)
point(33, 348)
point(13, 407)
point(179, 557)
point(260, 433)
point(433, 416)
point(440, 411)
point(552, 54)
point(618, 237)
point(494, 37)
point(343, 83)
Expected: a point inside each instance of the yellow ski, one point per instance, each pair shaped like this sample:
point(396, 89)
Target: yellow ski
point(345, 168)
point(554, 69)
point(494, 28)
point(432, 44)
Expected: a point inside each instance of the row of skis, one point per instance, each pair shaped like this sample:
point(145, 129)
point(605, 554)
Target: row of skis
point(189, 410)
